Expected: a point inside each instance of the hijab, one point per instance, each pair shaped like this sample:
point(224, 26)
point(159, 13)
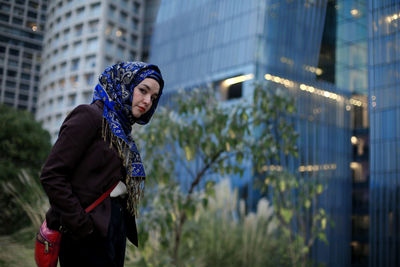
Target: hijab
point(115, 90)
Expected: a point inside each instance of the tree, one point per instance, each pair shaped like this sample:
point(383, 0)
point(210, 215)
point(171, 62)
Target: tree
point(302, 221)
point(196, 139)
point(24, 145)
point(295, 198)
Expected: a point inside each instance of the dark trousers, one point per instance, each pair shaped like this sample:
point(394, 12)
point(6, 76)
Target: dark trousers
point(95, 250)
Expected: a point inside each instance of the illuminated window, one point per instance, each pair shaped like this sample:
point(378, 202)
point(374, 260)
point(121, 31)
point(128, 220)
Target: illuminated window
point(62, 83)
point(74, 80)
point(231, 88)
point(109, 29)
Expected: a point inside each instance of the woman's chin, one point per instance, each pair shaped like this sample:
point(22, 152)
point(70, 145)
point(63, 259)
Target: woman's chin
point(137, 115)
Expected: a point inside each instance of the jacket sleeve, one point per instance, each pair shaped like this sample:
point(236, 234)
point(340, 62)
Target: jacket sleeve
point(76, 135)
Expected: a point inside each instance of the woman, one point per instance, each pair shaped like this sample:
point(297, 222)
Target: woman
point(94, 151)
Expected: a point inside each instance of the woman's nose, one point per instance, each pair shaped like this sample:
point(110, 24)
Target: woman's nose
point(147, 100)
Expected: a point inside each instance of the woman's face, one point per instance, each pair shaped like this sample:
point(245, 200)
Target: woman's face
point(143, 96)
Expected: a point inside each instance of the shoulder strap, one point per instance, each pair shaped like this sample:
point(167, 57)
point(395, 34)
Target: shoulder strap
point(100, 199)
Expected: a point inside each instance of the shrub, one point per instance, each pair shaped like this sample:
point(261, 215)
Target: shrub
point(220, 234)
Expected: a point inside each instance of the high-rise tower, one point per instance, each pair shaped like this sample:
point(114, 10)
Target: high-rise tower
point(21, 35)
point(82, 38)
point(384, 92)
point(207, 42)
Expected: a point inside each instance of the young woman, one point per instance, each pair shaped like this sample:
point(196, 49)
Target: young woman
point(94, 151)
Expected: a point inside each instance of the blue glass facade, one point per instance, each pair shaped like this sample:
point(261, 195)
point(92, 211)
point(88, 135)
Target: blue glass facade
point(350, 72)
point(291, 38)
point(384, 79)
point(351, 46)
point(204, 42)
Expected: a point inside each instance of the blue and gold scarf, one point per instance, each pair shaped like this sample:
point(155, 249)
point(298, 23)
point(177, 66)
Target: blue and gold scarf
point(115, 90)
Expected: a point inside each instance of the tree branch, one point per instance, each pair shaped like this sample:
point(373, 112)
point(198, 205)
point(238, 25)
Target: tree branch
point(182, 217)
point(201, 173)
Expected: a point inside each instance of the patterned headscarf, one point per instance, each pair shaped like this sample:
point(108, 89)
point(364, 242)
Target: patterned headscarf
point(115, 90)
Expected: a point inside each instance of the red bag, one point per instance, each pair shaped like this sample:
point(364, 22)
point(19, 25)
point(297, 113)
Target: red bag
point(47, 246)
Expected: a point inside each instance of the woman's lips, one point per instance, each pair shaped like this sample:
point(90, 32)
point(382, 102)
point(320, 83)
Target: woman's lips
point(142, 109)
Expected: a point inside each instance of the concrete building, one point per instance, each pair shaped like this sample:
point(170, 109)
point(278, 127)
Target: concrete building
point(21, 34)
point(81, 39)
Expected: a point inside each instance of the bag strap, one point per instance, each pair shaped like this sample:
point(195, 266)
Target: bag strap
point(100, 199)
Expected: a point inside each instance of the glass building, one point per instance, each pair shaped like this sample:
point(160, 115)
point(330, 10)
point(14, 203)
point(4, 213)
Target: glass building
point(21, 36)
point(149, 17)
point(351, 46)
point(383, 80)
point(350, 74)
point(294, 45)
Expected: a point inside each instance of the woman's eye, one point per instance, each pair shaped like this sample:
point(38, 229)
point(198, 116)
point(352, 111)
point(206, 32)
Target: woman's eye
point(142, 90)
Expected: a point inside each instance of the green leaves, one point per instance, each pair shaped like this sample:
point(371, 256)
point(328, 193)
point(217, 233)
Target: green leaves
point(307, 204)
point(320, 189)
point(287, 214)
point(189, 209)
point(323, 223)
point(197, 138)
point(295, 198)
point(188, 153)
point(23, 145)
point(322, 237)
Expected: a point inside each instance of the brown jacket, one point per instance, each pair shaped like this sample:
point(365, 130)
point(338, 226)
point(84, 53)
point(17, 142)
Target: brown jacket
point(79, 169)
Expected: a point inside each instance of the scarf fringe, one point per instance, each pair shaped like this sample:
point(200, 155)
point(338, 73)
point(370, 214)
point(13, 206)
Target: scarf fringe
point(134, 184)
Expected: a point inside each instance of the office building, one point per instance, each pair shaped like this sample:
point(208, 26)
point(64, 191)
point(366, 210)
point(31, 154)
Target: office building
point(150, 15)
point(294, 45)
point(350, 73)
point(81, 39)
point(21, 34)
point(384, 80)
